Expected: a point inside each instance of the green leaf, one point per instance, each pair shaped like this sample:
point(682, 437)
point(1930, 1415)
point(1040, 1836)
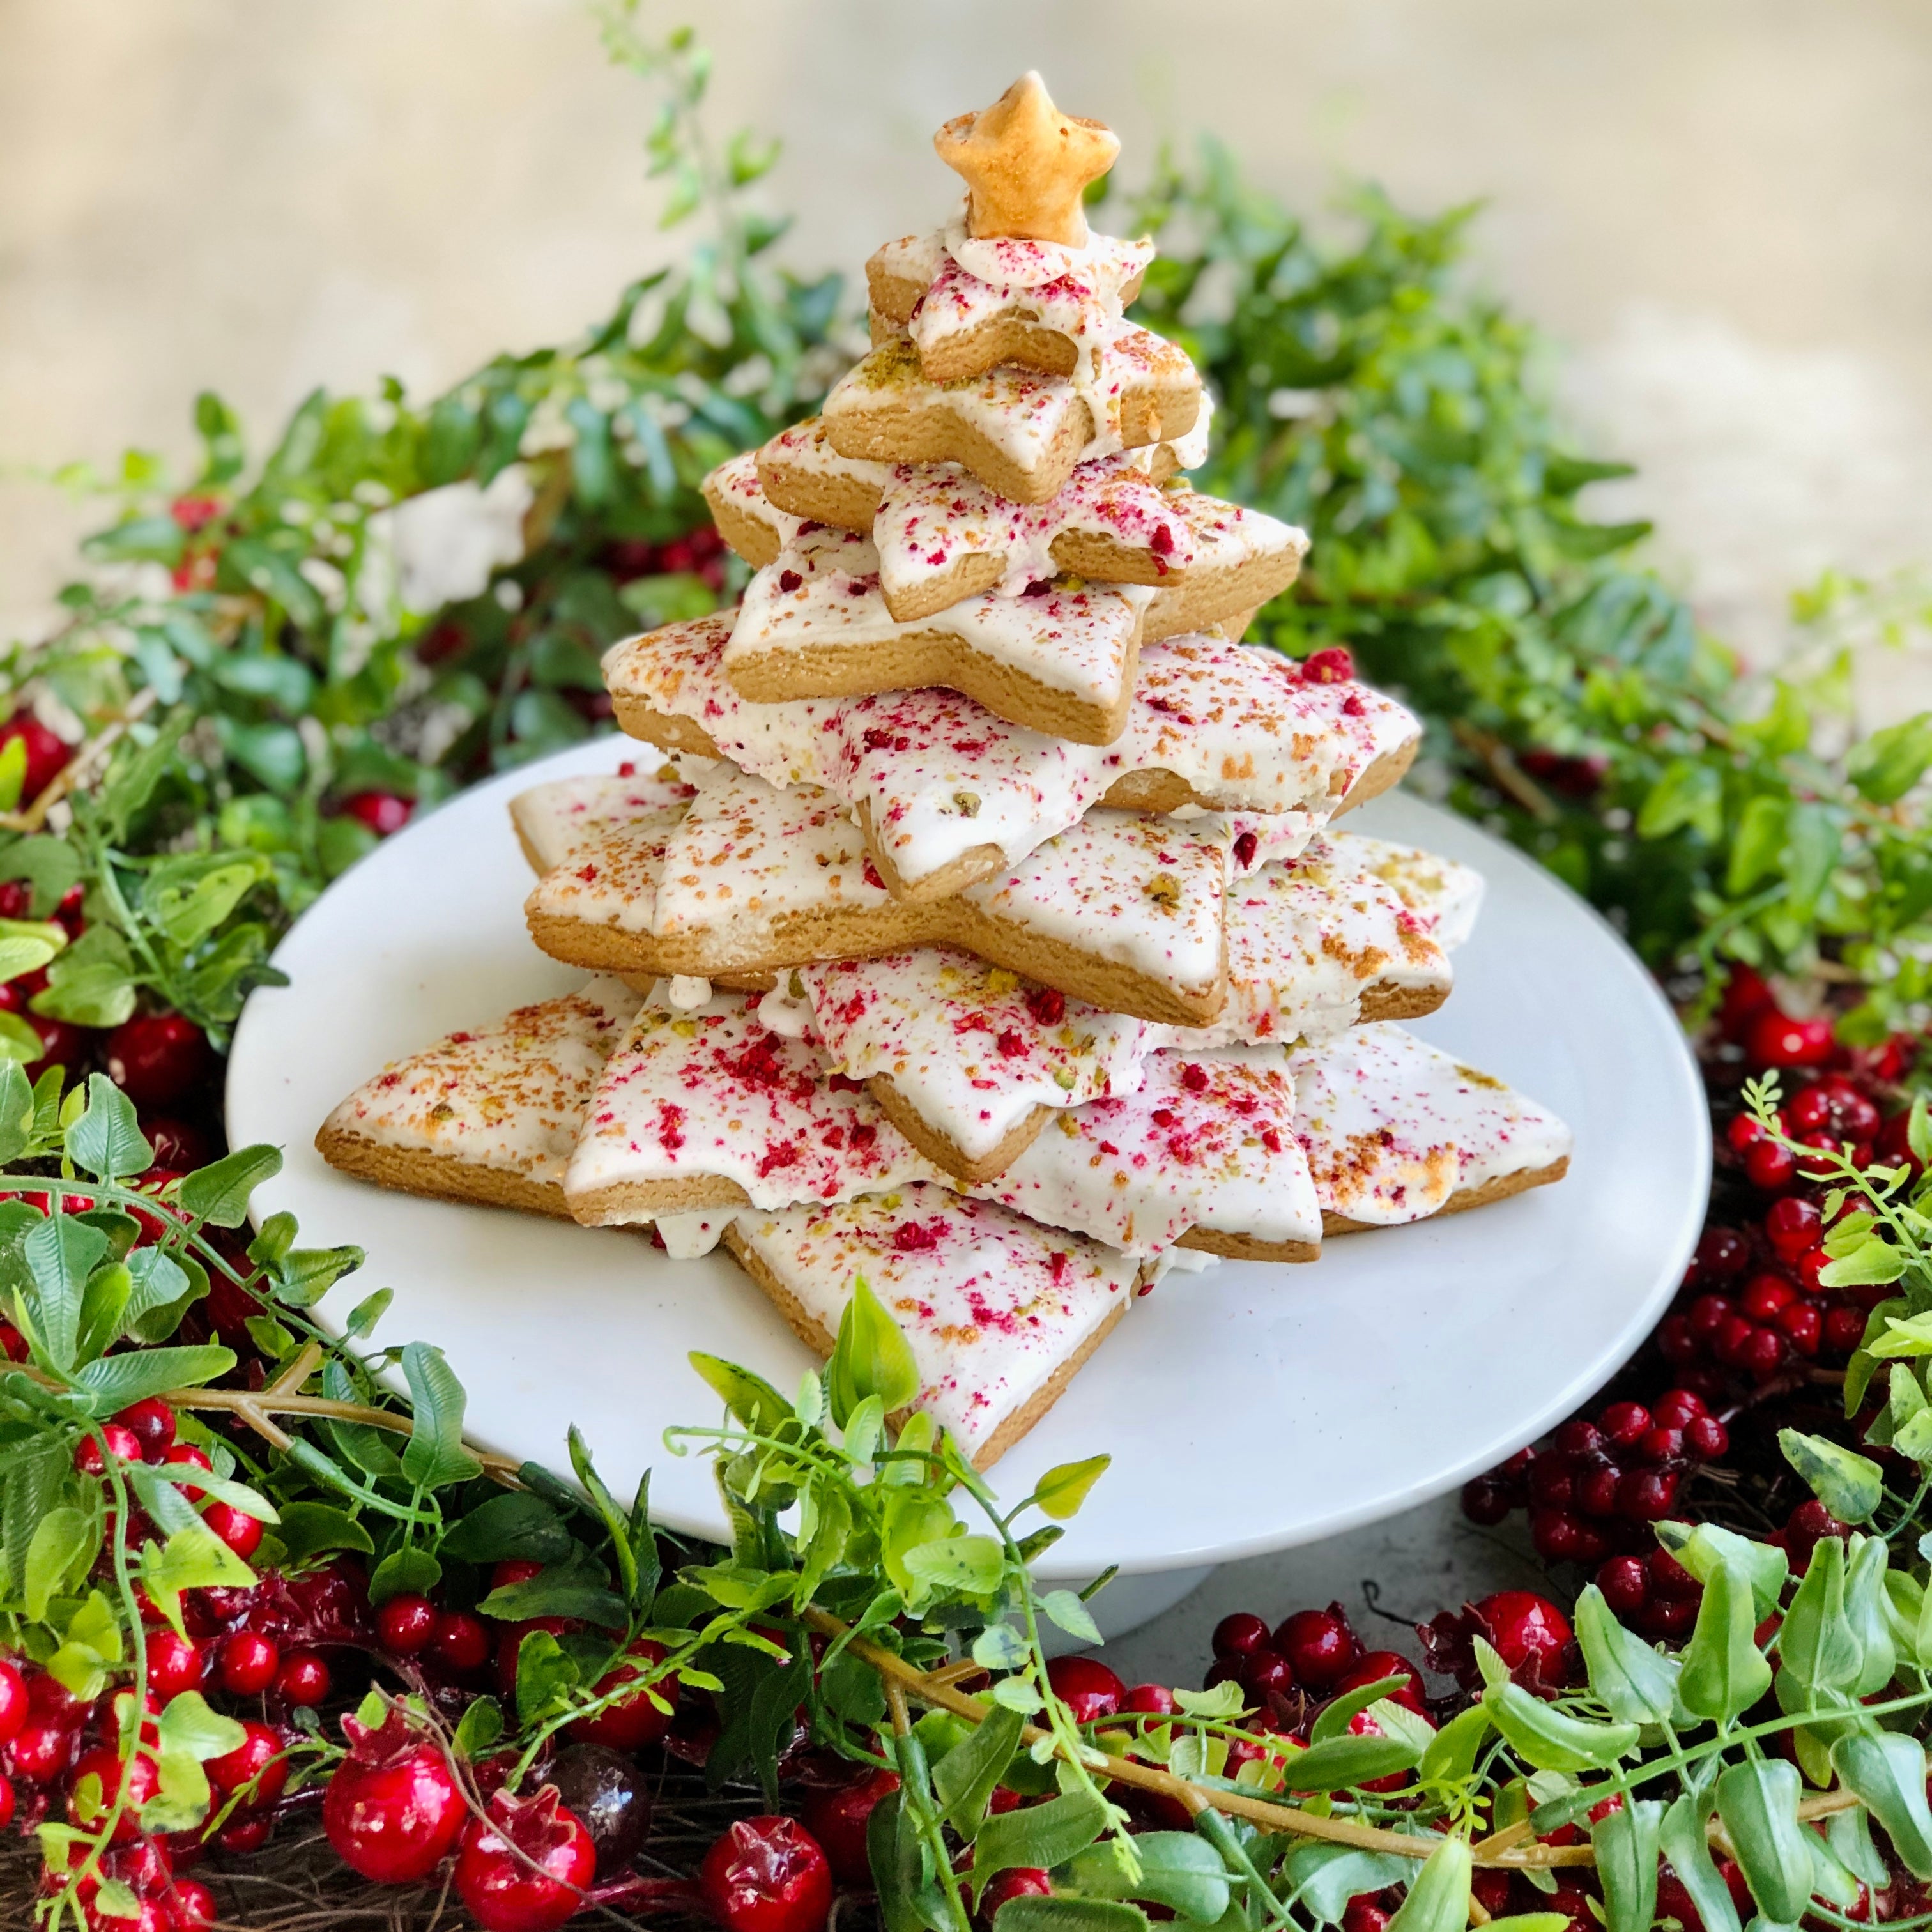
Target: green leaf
point(872, 1358)
point(1886, 766)
point(435, 1456)
point(194, 1558)
point(1450, 1756)
point(1683, 1840)
point(1707, 1549)
point(1724, 1673)
point(165, 1286)
point(971, 1564)
point(1757, 844)
point(1039, 1836)
point(188, 1724)
point(1817, 1642)
point(1061, 1491)
point(1336, 1714)
point(1689, 795)
point(60, 1542)
point(514, 1524)
point(1000, 1647)
point(17, 1104)
point(305, 1275)
point(408, 1570)
point(106, 1140)
point(1630, 1678)
point(219, 1192)
point(308, 1529)
point(1626, 1842)
point(1037, 1914)
point(1758, 1804)
point(615, 1519)
point(1324, 1878)
point(1849, 1485)
point(963, 1780)
point(1550, 1739)
point(754, 1403)
point(116, 1381)
point(546, 1676)
point(92, 983)
point(1874, 1263)
point(366, 1312)
point(1438, 1899)
point(1888, 1773)
point(1176, 1869)
point(1338, 1763)
point(60, 1252)
point(575, 1588)
point(189, 896)
point(481, 1725)
point(1070, 1614)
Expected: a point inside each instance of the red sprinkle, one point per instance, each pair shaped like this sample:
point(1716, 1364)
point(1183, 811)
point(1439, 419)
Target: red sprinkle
point(1047, 1004)
point(1194, 1078)
point(789, 580)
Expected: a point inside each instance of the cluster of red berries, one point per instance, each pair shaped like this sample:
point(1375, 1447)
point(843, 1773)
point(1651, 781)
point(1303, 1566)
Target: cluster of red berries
point(1597, 1487)
point(145, 1432)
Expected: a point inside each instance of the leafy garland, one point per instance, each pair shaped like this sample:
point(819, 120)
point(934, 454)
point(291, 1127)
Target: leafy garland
point(250, 694)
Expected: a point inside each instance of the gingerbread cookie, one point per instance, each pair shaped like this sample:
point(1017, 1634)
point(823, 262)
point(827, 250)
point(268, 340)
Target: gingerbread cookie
point(815, 624)
point(1396, 1130)
point(946, 794)
point(1019, 432)
point(490, 1115)
point(554, 819)
point(1027, 166)
point(1000, 1313)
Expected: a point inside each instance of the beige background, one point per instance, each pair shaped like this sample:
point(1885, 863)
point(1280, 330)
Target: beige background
point(1717, 208)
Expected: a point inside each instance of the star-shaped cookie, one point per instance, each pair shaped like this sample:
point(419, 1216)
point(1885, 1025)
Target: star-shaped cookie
point(1026, 165)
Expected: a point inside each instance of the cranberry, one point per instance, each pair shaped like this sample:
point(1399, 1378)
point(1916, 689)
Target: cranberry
point(1266, 1671)
point(1521, 1626)
point(1723, 1251)
point(46, 754)
point(1809, 1107)
point(248, 1663)
point(1557, 1534)
point(1765, 1294)
point(1661, 1445)
point(460, 1642)
point(1362, 1914)
point(1373, 1666)
point(523, 1868)
point(393, 1809)
point(1239, 1634)
point(1775, 1041)
point(383, 811)
point(513, 1570)
point(239, 1531)
point(838, 1818)
point(6, 1801)
point(1708, 1314)
point(256, 1765)
point(48, 1697)
point(12, 1343)
point(119, 1442)
point(1484, 1501)
point(1579, 1438)
point(767, 1874)
point(1745, 1132)
point(130, 1782)
point(14, 1706)
point(1811, 1263)
point(1677, 1341)
point(303, 1680)
point(1706, 1438)
point(606, 1793)
point(244, 1834)
point(151, 1423)
point(1646, 1495)
point(185, 1455)
point(1763, 1355)
point(43, 1749)
point(1552, 1483)
point(405, 1623)
point(1086, 1686)
point(1625, 1585)
point(175, 1664)
point(1844, 1330)
point(1770, 1166)
point(156, 1059)
point(1597, 1491)
point(1016, 1881)
point(194, 1906)
point(1675, 1408)
point(1624, 1423)
point(1732, 1338)
point(1802, 1325)
point(179, 1146)
point(633, 1722)
point(1319, 1645)
point(1153, 1700)
point(1669, 1578)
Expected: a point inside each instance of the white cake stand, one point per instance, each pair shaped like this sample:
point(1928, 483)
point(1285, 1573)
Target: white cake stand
point(1247, 1409)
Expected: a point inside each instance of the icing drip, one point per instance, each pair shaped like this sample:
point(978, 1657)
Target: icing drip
point(688, 994)
point(511, 1096)
point(688, 1237)
point(991, 1305)
point(1392, 1126)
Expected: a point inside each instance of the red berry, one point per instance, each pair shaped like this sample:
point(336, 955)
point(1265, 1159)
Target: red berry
point(1844, 1330)
point(1675, 1407)
point(1019, 1881)
point(1553, 1482)
point(46, 754)
point(1596, 1490)
point(1153, 1700)
point(1625, 1586)
point(185, 1455)
point(1763, 1355)
point(244, 1834)
point(1624, 1423)
point(405, 1623)
point(1802, 1325)
point(248, 1663)
point(1579, 1438)
point(256, 1765)
point(156, 1059)
point(632, 1722)
point(1239, 1633)
point(1332, 665)
point(1809, 1107)
point(6, 1801)
point(194, 1906)
point(393, 1809)
point(42, 1750)
point(1484, 1501)
point(1374, 1665)
point(1810, 1264)
point(1765, 1294)
point(1086, 1686)
point(179, 1146)
point(383, 811)
point(1732, 1338)
point(1362, 1914)
point(513, 1570)
point(767, 1874)
point(1669, 1577)
point(1708, 1314)
point(1775, 1041)
point(1557, 1534)
point(131, 1782)
point(1705, 1439)
point(240, 1531)
point(175, 1664)
point(1661, 1445)
point(1770, 1166)
point(12, 1343)
point(303, 1680)
point(1319, 1645)
point(1266, 1671)
point(1723, 1251)
point(1520, 1625)
point(1677, 1341)
point(119, 1442)
point(837, 1816)
point(1744, 1133)
point(524, 1868)
point(1646, 1495)
point(460, 1642)
point(14, 1706)
point(151, 1423)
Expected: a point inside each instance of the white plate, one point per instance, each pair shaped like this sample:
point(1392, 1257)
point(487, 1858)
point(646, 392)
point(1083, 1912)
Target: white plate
point(1247, 1409)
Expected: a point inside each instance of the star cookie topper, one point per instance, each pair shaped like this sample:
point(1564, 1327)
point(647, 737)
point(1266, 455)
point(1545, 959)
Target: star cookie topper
point(1025, 165)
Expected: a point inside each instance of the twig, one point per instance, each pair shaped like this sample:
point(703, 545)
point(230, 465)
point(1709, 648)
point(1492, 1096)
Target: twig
point(81, 766)
point(1508, 775)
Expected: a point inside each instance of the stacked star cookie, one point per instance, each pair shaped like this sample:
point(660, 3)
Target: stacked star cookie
point(979, 924)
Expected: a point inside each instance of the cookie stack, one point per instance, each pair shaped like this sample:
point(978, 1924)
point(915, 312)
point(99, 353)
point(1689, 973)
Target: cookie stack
point(977, 926)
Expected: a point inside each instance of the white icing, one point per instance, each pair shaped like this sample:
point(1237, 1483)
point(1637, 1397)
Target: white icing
point(510, 1096)
point(1392, 1126)
point(805, 447)
point(938, 775)
point(1177, 1261)
point(554, 820)
point(735, 482)
point(687, 1237)
point(824, 591)
point(712, 1094)
point(1444, 895)
point(782, 1011)
point(1005, 263)
point(991, 1305)
point(687, 993)
point(610, 879)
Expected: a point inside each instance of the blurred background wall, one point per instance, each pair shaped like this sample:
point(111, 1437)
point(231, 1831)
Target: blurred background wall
point(1718, 210)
